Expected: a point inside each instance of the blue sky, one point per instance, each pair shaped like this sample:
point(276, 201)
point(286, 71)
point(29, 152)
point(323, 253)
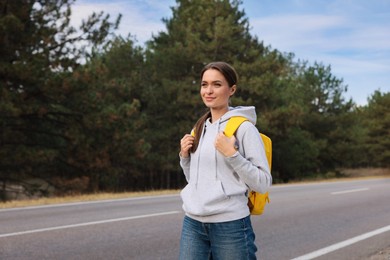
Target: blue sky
point(352, 36)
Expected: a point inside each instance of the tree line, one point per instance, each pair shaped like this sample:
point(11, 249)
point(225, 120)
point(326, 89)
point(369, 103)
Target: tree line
point(90, 110)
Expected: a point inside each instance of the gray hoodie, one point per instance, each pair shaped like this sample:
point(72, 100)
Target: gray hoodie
point(218, 186)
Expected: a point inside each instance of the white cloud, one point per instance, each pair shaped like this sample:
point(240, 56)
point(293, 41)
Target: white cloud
point(291, 32)
point(357, 51)
point(139, 18)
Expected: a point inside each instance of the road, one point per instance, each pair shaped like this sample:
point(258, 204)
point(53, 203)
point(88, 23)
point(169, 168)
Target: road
point(330, 220)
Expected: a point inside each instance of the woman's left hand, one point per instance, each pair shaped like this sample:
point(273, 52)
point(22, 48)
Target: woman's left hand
point(225, 145)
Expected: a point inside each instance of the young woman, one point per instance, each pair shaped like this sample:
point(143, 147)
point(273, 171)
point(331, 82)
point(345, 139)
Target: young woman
point(220, 171)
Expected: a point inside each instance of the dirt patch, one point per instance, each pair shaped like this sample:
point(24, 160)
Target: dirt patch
point(381, 255)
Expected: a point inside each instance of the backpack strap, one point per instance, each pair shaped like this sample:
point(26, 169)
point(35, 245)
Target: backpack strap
point(232, 125)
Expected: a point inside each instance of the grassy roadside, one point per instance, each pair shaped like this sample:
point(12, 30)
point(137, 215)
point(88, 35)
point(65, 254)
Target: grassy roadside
point(347, 175)
point(80, 198)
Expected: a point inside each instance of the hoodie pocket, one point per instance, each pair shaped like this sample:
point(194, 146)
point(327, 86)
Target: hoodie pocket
point(204, 200)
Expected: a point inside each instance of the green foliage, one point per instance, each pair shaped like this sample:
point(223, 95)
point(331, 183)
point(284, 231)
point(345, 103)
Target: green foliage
point(108, 141)
point(326, 117)
point(296, 156)
point(377, 122)
point(84, 105)
point(39, 50)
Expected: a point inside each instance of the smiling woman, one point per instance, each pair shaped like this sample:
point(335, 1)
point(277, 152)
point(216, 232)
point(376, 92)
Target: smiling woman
point(220, 170)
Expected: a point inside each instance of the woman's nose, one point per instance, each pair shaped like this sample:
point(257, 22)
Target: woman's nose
point(209, 90)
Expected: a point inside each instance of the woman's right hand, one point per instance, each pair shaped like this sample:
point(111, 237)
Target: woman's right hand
point(185, 145)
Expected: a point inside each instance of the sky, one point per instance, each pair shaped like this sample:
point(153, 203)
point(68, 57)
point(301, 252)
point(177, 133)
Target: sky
point(351, 36)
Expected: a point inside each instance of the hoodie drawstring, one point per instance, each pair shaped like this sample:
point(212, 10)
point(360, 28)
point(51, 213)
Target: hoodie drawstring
point(216, 152)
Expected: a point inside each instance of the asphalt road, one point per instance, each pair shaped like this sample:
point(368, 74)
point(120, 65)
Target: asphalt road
point(333, 220)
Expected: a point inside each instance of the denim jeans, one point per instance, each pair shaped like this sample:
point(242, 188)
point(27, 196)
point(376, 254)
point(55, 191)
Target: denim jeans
point(218, 241)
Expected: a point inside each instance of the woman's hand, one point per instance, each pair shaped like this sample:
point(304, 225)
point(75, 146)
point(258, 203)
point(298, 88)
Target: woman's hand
point(185, 145)
point(225, 145)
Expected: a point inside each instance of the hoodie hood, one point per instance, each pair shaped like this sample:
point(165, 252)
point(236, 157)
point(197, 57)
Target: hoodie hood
point(248, 112)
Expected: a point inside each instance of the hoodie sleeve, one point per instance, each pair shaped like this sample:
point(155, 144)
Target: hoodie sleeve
point(185, 165)
point(250, 163)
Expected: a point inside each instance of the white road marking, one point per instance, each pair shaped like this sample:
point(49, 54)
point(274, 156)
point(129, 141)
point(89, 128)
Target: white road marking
point(86, 224)
point(342, 244)
point(349, 191)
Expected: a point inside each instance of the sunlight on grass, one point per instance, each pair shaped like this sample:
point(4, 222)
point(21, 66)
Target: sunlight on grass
point(79, 198)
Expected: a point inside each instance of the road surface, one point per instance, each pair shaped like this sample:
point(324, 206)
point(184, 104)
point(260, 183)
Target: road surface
point(330, 220)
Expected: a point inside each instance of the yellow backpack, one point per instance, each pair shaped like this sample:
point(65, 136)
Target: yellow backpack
point(256, 200)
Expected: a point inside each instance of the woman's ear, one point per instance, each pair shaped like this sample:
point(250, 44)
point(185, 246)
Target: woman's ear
point(232, 90)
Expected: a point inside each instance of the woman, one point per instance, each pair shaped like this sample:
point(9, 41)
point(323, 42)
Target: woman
point(220, 171)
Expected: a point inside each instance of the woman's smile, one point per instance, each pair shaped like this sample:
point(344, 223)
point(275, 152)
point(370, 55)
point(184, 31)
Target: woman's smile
point(209, 99)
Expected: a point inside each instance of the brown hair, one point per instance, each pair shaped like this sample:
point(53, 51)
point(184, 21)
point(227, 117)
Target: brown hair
point(231, 77)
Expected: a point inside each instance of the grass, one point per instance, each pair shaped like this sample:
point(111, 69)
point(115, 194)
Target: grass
point(347, 174)
point(79, 198)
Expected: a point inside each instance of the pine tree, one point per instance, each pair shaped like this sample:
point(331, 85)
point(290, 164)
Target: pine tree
point(38, 50)
point(201, 31)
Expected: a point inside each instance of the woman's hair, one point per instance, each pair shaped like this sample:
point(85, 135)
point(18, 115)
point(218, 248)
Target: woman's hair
point(227, 71)
point(231, 77)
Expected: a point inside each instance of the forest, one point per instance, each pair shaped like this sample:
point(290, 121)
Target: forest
point(87, 110)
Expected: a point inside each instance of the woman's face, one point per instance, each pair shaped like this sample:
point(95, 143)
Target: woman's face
point(215, 90)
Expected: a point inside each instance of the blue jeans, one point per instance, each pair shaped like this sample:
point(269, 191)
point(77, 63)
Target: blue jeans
point(218, 241)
